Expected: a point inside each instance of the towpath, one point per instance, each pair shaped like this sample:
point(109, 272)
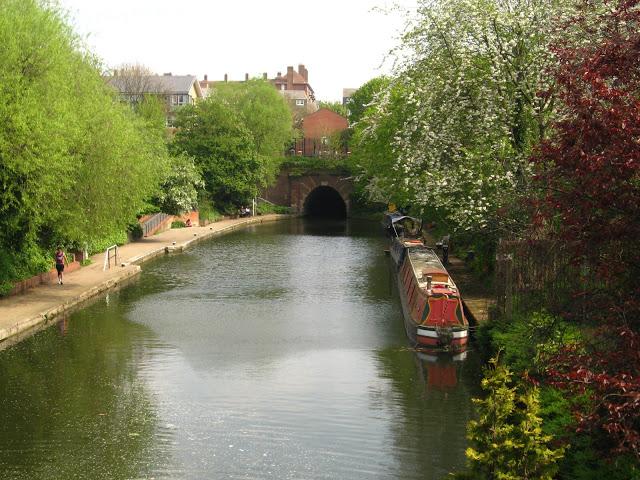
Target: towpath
point(20, 315)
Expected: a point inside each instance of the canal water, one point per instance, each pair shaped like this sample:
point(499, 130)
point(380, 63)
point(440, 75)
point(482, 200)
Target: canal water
point(278, 351)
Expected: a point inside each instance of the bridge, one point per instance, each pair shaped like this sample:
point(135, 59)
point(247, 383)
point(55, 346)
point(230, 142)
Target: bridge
point(314, 192)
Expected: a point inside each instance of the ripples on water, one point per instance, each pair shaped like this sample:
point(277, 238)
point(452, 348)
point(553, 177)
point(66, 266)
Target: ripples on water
point(275, 352)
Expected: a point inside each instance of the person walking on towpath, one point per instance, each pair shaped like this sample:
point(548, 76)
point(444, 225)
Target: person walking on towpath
point(61, 259)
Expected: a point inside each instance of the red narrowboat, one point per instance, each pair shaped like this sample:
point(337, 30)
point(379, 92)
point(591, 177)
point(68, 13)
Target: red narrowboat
point(431, 302)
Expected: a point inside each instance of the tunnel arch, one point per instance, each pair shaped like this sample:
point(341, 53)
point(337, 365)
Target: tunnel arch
point(325, 201)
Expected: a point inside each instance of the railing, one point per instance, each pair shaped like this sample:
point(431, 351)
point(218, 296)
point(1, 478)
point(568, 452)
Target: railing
point(264, 200)
point(108, 257)
point(152, 223)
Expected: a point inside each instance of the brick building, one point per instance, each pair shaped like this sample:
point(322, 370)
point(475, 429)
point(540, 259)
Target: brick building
point(323, 135)
point(293, 85)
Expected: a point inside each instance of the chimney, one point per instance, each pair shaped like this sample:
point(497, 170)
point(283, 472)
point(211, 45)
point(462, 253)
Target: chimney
point(225, 77)
point(289, 78)
point(246, 77)
point(205, 77)
point(303, 71)
point(279, 74)
point(264, 76)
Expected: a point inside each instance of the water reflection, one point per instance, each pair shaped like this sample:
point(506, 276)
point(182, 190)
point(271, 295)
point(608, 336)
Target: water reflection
point(72, 396)
point(431, 405)
point(274, 352)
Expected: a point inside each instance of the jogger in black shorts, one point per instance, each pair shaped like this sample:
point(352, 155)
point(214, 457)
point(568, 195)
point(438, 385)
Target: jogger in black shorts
point(61, 259)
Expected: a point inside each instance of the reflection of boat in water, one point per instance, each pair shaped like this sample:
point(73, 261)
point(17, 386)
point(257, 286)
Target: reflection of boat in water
point(431, 303)
point(440, 370)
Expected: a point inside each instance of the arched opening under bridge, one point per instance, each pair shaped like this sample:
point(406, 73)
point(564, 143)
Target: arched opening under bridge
point(325, 202)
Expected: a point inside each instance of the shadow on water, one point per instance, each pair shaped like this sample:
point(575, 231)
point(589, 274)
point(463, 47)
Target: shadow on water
point(73, 402)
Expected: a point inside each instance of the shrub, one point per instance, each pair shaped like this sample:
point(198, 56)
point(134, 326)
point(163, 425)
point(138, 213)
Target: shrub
point(207, 211)
point(507, 441)
point(264, 208)
point(526, 339)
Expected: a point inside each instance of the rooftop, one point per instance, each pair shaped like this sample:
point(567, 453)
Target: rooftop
point(166, 84)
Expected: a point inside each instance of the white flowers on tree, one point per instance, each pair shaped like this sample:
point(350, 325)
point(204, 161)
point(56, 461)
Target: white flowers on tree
point(471, 72)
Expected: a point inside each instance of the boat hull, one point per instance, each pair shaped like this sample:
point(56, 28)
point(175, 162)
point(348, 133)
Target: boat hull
point(433, 315)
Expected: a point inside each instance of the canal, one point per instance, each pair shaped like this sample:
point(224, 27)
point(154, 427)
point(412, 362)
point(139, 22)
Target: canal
point(278, 351)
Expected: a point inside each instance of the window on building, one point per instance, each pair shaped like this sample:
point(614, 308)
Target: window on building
point(300, 102)
point(181, 99)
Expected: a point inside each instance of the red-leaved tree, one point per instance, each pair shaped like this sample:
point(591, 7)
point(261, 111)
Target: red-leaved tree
point(589, 172)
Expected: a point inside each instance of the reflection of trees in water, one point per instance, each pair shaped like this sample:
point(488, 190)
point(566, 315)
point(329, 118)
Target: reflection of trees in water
point(73, 404)
point(431, 405)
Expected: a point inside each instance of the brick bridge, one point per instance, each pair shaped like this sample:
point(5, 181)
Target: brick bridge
point(314, 192)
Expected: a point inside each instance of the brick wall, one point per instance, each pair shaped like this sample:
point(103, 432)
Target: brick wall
point(42, 279)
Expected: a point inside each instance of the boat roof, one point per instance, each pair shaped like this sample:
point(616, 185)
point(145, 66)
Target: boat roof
point(424, 259)
point(395, 217)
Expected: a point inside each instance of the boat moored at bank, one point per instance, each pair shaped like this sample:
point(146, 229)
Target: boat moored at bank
point(431, 302)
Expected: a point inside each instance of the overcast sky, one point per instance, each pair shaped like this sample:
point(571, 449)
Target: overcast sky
point(343, 43)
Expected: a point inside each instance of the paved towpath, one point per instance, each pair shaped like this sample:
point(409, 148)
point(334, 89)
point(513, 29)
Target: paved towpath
point(21, 314)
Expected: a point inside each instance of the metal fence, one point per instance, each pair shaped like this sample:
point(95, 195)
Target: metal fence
point(152, 223)
point(535, 274)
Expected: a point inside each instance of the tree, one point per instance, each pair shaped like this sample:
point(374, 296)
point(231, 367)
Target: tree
point(265, 113)
point(135, 78)
point(470, 72)
point(588, 175)
point(364, 98)
point(374, 153)
point(506, 442)
point(179, 191)
point(224, 149)
point(75, 165)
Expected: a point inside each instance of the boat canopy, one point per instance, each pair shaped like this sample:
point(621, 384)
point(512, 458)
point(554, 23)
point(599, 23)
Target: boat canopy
point(395, 217)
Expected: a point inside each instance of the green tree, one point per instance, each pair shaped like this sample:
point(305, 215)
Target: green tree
point(507, 442)
point(75, 165)
point(364, 97)
point(224, 149)
point(373, 151)
point(153, 109)
point(266, 115)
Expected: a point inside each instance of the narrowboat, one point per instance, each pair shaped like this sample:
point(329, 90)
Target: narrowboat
point(431, 302)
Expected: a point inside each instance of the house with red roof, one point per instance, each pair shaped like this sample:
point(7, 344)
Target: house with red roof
point(323, 135)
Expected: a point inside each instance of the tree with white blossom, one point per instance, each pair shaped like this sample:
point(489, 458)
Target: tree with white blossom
point(471, 71)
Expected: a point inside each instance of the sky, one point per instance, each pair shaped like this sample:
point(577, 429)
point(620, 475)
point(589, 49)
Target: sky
point(342, 43)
